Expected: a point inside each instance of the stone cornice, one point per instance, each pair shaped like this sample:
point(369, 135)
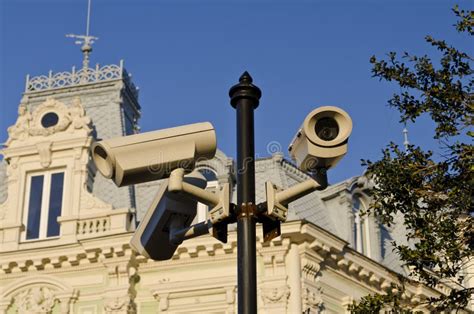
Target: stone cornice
point(57, 145)
point(85, 252)
point(338, 257)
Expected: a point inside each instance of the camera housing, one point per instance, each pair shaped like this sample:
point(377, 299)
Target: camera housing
point(169, 211)
point(321, 142)
point(154, 155)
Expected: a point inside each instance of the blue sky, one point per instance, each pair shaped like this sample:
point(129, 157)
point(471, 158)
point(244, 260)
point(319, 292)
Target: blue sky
point(186, 54)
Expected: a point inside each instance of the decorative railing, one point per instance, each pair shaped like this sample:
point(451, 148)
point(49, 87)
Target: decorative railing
point(81, 77)
point(93, 225)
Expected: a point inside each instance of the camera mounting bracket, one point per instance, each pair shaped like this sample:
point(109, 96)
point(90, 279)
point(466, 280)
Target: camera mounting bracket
point(278, 199)
point(218, 202)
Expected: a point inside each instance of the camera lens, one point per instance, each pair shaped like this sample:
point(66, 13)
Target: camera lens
point(327, 129)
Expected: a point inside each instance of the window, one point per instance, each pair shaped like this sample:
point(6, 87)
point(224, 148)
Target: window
point(50, 119)
point(212, 185)
point(43, 205)
point(361, 231)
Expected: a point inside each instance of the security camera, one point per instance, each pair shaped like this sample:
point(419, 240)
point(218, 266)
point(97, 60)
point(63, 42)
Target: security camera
point(153, 155)
point(322, 139)
point(169, 213)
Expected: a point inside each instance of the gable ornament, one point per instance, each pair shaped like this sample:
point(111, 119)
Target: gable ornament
point(20, 130)
point(78, 116)
point(44, 151)
point(50, 117)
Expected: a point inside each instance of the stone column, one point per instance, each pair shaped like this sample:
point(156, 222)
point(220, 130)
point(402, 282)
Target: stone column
point(293, 265)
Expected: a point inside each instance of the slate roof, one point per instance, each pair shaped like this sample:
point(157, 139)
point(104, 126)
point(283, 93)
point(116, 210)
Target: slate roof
point(284, 174)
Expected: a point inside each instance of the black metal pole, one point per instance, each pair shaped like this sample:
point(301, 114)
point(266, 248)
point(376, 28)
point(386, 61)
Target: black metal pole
point(245, 98)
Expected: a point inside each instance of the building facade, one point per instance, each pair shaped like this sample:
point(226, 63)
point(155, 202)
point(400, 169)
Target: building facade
point(65, 229)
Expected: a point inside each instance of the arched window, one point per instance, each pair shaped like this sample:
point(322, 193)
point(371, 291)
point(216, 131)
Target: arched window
point(212, 185)
point(360, 228)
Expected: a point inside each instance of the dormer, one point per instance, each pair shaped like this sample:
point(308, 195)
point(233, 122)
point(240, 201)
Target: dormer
point(48, 202)
point(110, 99)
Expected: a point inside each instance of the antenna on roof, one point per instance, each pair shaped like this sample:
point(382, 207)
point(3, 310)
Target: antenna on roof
point(85, 40)
point(405, 137)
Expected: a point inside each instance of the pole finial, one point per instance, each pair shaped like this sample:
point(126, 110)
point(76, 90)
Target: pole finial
point(245, 78)
point(85, 40)
point(245, 89)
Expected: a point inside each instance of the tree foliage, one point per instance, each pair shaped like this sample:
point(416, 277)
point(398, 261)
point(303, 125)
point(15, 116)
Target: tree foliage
point(433, 191)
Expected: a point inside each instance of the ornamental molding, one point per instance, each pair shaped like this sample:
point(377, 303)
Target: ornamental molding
point(197, 250)
point(312, 298)
point(310, 269)
point(35, 300)
point(38, 295)
point(44, 151)
point(346, 262)
point(362, 184)
point(118, 248)
point(82, 77)
point(175, 288)
point(278, 294)
point(119, 305)
point(30, 125)
point(274, 253)
point(165, 289)
point(163, 300)
point(50, 105)
point(338, 256)
point(166, 284)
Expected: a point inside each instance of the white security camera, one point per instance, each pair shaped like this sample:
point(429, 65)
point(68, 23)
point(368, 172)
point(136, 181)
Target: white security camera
point(322, 140)
point(168, 215)
point(153, 155)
